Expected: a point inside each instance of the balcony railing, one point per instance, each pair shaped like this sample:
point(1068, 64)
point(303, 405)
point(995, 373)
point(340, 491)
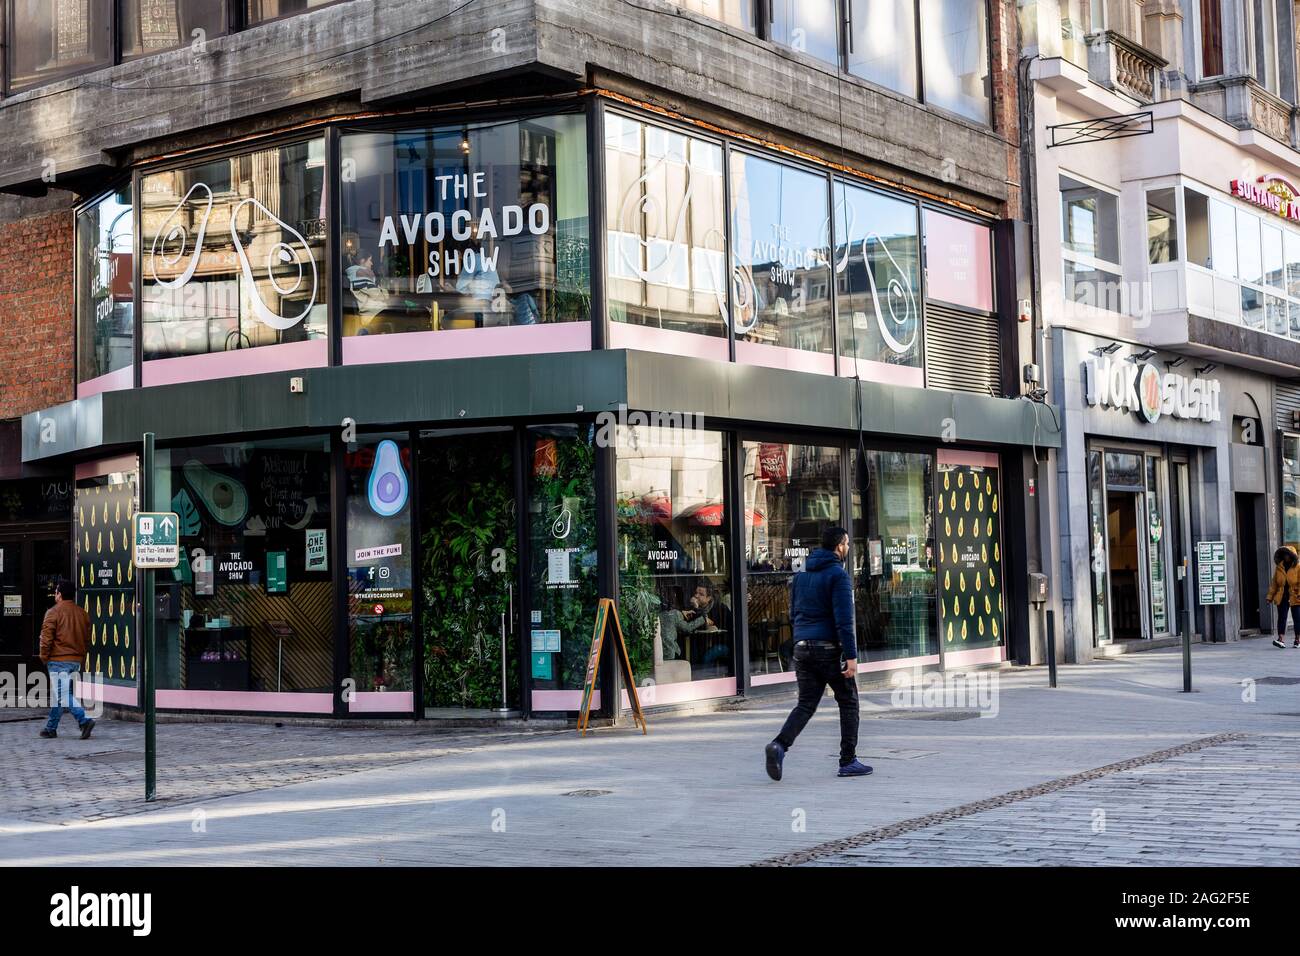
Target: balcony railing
point(1119, 64)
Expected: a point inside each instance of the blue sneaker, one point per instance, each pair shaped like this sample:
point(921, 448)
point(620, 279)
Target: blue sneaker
point(855, 769)
point(775, 756)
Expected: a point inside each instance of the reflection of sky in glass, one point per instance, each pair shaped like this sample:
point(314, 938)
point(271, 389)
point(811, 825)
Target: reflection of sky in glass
point(884, 43)
point(808, 26)
point(954, 55)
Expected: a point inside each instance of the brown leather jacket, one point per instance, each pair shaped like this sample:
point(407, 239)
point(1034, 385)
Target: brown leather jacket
point(65, 633)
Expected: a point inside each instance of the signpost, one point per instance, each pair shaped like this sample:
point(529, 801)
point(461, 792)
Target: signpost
point(606, 611)
point(155, 544)
point(1212, 588)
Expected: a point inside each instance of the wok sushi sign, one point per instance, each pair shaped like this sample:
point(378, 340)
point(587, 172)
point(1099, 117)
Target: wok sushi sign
point(1145, 390)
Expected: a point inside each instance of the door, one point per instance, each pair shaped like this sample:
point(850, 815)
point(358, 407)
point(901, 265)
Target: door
point(1248, 562)
point(50, 563)
point(15, 622)
point(1127, 568)
point(468, 566)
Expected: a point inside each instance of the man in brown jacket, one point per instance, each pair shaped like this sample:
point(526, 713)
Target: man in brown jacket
point(63, 647)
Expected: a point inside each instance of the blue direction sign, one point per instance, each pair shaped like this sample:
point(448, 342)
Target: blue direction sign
point(157, 540)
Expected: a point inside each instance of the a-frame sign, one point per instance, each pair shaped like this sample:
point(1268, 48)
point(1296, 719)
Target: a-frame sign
point(606, 611)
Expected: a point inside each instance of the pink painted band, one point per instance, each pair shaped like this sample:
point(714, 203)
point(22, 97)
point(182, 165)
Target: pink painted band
point(108, 693)
point(113, 381)
point(382, 702)
point(778, 356)
point(687, 690)
point(562, 700)
point(983, 655)
point(256, 361)
point(467, 343)
point(626, 335)
point(864, 667)
point(975, 459)
point(271, 701)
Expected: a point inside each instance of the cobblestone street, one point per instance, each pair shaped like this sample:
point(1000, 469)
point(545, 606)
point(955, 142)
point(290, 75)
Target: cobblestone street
point(1114, 767)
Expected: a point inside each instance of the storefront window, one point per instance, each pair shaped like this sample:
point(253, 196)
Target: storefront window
point(970, 557)
point(105, 298)
point(666, 244)
point(1291, 491)
point(380, 558)
point(792, 495)
point(234, 253)
point(562, 565)
point(254, 591)
point(150, 26)
point(1156, 545)
point(465, 227)
point(1098, 559)
point(893, 558)
point(882, 43)
point(877, 276)
point(57, 38)
point(955, 56)
point(809, 26)
point(674, 569)
point(780, 235)
point(106, 573)
point(958, 261)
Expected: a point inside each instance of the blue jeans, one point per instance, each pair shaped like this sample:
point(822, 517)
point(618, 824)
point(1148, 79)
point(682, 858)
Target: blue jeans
point(62, 674)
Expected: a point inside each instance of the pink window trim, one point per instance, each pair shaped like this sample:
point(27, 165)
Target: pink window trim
point(562, 700)
point(778, 356)
point(655, 694)
point(108, 693)
point(467, 343)
point(983, 655)
point(883, 372)
point(626, 335)
point(285, 357)
point(864, 667)
point(975, 459)
point(382, 702)
point(113, 381)
point(271, 701)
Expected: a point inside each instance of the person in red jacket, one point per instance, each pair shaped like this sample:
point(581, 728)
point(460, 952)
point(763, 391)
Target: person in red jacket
point(64, 635)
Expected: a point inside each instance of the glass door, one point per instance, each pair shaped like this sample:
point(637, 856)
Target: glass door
point(1157, 556)
point(1099, 566)
point(15, 622)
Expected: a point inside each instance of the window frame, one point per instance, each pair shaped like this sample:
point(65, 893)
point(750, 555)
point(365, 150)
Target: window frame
point(1096, 263)
point(113, 187)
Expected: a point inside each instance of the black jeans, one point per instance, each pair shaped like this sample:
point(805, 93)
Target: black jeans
point(1281, 619)
point(815, 667)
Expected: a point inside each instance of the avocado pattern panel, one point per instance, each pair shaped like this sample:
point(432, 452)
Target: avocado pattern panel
point(970, 557)
point(106, 574)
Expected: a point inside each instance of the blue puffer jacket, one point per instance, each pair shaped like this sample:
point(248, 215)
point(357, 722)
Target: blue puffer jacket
point(821, 602)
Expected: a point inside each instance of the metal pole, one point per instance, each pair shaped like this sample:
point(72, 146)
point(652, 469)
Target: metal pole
point(1187, 650)
point(505, 700)
point(1051, 647)
point(150, 709)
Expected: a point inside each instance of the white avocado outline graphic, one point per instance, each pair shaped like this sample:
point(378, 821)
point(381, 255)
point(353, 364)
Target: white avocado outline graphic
point(282, 252)
point(165, 235)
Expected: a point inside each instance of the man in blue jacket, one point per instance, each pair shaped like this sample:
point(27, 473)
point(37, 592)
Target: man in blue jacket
point(825, 652)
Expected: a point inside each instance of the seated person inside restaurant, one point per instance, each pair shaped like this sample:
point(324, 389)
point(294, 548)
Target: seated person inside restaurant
point(674, 625)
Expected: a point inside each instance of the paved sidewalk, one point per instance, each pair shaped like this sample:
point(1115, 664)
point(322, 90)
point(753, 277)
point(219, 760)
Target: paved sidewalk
point(694, 791)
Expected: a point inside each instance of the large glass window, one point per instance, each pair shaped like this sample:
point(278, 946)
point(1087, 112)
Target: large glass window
point(1197, 210)
point(1157, 545)
point(792, 494)
point(257, 11)
point(893, 557)
point(1291, 490)
point(882, 43)
point(380, 558)
point(105, 298)
point(738, 13)
point(234, 252)
point(465, 227)
point(562, 566)
point(666, 209)
point(56, 38)
point(1162, 226)
point(877, 276)
point(955, 56)
point(151, 26)
point(1090, 245)
point(1210, 27)
point(1223, 238)
point(970, 557)
point(780, 236)
point(809, 26)
point(1099, 559)
point(673, 560)
point(256, 595)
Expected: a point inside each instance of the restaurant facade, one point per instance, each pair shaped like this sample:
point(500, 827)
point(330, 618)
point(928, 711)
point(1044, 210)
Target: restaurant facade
point(428, 381)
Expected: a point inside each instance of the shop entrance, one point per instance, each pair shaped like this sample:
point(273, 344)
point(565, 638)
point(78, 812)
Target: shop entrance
point(469, 560)
point(29, 570)
point(1248, 561)
point(1127, 594)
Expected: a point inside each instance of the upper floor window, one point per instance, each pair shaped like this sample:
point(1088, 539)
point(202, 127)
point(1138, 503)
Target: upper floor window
point(809, 26)
point(882, 43)
point(55, 38)
point(152, 26)
point(104, 272)
point(1090, 245)
point(259, 11)
point(1209, 25)
point(955, 56)
point(738, 13)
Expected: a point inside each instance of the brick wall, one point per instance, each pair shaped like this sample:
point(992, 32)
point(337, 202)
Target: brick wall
point(1004, 32)
point(36, 323)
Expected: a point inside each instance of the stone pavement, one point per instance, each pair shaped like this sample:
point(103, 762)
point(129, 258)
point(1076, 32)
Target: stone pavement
point(987, 790)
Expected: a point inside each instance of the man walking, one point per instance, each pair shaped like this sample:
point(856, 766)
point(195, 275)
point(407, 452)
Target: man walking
point(825, 652)
point(63, 648)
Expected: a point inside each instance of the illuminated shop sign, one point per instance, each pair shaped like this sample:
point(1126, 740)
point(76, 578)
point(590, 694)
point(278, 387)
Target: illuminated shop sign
point(1142, 388)
point(1273, 193)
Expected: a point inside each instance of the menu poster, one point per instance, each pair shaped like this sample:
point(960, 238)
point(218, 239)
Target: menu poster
point(970, 557)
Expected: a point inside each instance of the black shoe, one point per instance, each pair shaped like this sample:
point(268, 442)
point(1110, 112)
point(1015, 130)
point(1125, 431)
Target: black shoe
point(855, 769)
point(87, 727)
point(775, 756)
point(48, 734)
point(1278, 643)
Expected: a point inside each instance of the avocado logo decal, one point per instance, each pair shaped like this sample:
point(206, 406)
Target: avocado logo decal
point(387, 488)
point(225, 498)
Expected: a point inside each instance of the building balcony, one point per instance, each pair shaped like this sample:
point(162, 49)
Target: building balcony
point(1120, 65)
point(1241, 101)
